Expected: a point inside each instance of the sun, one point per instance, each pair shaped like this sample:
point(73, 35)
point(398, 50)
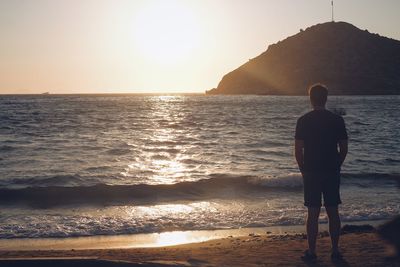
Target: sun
point(166, 32)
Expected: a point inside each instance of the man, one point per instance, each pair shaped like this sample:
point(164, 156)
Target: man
point(319, 133)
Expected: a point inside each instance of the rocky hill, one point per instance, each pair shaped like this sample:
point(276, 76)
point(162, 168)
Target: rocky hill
point(348, 60)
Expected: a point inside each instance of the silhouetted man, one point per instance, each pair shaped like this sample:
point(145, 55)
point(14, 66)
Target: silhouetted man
point(319, 134)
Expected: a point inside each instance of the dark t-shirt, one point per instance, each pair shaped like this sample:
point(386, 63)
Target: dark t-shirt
point(321, 131)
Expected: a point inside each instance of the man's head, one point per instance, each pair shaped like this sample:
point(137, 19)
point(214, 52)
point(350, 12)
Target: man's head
point(318, 95)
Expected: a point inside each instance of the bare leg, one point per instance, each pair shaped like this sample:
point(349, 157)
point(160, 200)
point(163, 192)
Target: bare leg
point(334, 226)
point(312, 227)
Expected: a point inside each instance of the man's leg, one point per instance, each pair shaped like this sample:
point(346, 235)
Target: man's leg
point(312, 227)
point(334, 226)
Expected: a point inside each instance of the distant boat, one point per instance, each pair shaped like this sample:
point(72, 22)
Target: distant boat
point(45, 93)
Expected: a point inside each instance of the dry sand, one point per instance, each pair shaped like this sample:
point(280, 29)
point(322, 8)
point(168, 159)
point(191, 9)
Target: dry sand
point(359, 249)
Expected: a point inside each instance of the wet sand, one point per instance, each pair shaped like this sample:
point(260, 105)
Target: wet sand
point(359, 249)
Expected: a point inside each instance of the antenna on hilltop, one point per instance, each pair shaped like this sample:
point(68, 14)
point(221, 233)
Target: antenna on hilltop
point(332, 11)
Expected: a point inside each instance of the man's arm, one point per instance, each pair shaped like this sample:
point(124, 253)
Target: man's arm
point(343, 148)
point(299, 154)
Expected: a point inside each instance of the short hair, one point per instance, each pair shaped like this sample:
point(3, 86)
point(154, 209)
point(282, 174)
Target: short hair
point(318, 94)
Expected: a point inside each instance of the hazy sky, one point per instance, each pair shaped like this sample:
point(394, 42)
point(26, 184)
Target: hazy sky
point(89, 46)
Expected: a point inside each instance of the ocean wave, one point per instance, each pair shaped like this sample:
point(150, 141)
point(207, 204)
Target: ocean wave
point(372, 176)
point(162, 149)
point(6, 148)
point(392, 160)
point(4, 118)
point(118, 151)
point(191, 161)
point(219, 186)
point(360, 123)
point(291, 180)
point(263, 152)
point(160, 157)
point(44, 181)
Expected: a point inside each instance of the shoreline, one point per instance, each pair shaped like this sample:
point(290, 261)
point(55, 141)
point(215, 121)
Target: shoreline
point(157, 240)
point(359, 249)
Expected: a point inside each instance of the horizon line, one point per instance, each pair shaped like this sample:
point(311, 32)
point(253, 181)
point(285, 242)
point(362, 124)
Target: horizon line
point(108, 93)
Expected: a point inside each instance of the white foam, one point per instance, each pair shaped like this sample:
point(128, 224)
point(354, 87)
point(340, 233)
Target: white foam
point(289, 180)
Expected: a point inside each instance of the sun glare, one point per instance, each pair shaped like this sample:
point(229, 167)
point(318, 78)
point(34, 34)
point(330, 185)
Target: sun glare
point(166, 32)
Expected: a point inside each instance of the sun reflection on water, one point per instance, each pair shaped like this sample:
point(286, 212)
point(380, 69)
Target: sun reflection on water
point(167, 167)
point(161, 159)
point(171, 238)
point(175, 238)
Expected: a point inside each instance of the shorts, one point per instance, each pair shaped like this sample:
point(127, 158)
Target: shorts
point(317, 184)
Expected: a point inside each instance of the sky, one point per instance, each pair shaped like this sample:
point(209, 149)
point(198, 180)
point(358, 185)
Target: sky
point(156, 46)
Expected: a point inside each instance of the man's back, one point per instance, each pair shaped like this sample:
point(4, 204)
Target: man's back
point(319, 134)
point(321, 131)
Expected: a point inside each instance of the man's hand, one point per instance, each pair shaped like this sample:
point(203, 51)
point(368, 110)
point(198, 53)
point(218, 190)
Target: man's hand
point(343, 148)
point(299, 154)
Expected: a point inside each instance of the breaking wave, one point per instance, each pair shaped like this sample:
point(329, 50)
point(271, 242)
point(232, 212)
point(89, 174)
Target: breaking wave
point(217, 186)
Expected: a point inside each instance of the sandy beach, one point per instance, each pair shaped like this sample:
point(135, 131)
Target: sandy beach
point(359, 249)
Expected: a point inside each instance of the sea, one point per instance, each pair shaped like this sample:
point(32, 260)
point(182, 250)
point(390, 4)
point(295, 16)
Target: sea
point(87, 165)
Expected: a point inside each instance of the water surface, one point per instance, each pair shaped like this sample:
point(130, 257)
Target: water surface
point(135, 163)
